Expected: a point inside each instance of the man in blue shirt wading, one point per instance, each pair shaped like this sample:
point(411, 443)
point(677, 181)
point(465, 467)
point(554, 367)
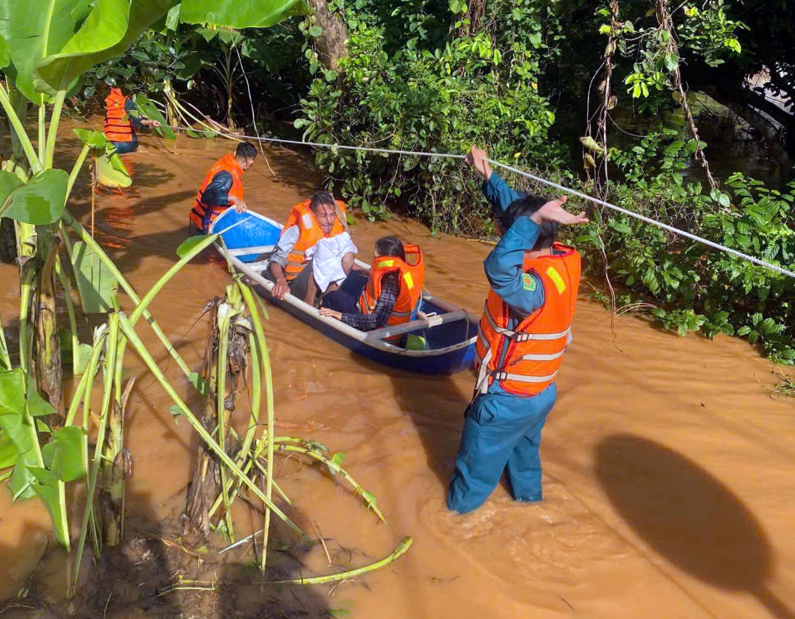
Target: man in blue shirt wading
point(524, 331)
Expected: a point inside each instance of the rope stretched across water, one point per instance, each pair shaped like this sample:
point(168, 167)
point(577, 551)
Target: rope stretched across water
point(752, 259)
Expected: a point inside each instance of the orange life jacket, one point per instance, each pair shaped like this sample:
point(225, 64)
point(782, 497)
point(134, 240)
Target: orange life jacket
point(117, 124)
point(412, 274)
point(202, 215)
point(309, 234)
point(533, 356)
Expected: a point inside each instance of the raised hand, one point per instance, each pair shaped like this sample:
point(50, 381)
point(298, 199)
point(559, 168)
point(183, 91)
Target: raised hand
point(554, 211)
point(476, 158)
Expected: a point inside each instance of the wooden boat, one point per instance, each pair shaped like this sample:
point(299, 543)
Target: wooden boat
point(449, 332)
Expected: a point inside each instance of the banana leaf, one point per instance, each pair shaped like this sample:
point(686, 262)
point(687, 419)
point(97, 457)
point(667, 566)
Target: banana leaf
point(108, 30)
point(241, 13)
point(5, 53)
point(34, 29)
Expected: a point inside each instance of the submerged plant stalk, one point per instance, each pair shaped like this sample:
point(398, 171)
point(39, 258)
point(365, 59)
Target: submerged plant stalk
point(401, 549)
point(205, 436)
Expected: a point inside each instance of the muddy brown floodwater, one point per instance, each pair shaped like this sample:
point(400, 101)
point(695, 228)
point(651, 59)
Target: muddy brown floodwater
point(668, 470)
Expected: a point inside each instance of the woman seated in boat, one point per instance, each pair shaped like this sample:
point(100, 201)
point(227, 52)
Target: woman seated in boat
point(391, 294)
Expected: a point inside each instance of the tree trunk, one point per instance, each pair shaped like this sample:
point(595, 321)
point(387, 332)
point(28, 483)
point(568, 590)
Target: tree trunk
point(330, 43)
point(47, 346)
point(8, 240)
point(205, 484)
point(116, 467)
point(476, 9)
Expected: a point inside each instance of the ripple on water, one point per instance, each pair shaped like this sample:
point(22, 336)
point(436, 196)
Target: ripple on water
point(556, 540)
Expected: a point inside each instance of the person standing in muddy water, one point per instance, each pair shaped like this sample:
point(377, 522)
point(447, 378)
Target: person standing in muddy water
point(222, 188)
point(122, 121)
point(523, 333)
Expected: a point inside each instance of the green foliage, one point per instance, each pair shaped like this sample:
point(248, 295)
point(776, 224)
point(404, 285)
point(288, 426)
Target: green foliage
point(150, 111)
point(20, 404)
point(696, 288)
point(709, 33)
point(111, 171)
point(154, 58)
point(95, 282)
point(428, 94)
point(260, 14)
point(41, 201)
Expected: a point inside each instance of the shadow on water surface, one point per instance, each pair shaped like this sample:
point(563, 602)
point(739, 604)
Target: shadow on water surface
point(688, 516)
point(436, 407)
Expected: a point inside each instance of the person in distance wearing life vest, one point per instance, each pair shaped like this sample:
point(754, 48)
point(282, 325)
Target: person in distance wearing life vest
point(389, 296)
point(290, 266)
point(523, 333)
point(122, 121)
point(222, 188)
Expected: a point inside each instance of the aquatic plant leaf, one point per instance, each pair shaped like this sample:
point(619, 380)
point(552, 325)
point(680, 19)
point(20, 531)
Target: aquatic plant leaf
point(197, 381)
point(107, 31)
point(8, 451)
point(95, 282)
point(240, 14)
point(19, 405)
point(92, 138)
point(149, 109)
point(111, 171)
point(63, 455)
point(45, 484)
point(187, 246)
point(8, 182)
point(83, 358)
point(39, 202)
point(176, 412)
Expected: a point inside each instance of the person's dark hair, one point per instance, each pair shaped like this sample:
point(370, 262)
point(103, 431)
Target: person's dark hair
point(246, 151)
point(321, 197)
point(524, 207)
point(390, 246)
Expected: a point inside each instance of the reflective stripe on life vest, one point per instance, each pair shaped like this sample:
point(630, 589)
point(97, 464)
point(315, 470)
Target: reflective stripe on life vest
point(411, 277)
point(202, 215)
point(525, 361)
point(309, 233)
point(117, 124)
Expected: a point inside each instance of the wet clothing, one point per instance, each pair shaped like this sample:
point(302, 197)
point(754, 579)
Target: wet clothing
point(300, 234)
point(346, 301)
point(502, 430)
point(410, 277)
point(525, 358)
point(223, 182)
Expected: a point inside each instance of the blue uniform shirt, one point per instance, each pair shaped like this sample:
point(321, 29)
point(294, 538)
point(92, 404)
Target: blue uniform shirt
point(504, 266)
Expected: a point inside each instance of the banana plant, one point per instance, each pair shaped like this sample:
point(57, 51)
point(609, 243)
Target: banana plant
point(46, 46)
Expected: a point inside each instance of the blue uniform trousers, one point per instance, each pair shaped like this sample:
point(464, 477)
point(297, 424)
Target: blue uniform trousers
point(501, 430)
